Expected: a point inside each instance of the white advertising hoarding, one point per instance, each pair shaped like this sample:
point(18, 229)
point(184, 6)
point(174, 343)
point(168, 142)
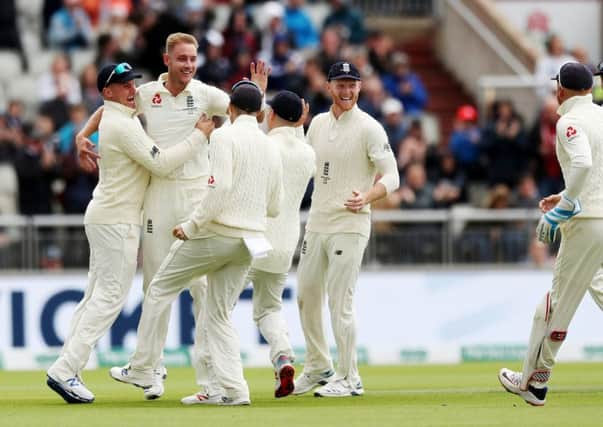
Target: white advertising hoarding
point(441, 316)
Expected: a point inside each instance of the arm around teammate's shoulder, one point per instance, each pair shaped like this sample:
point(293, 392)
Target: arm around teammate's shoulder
point(141, 148)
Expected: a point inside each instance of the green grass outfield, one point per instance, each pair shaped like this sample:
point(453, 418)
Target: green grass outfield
point(427, 395)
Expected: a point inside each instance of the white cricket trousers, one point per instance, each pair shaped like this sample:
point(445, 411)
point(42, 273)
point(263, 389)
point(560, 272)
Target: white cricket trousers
point(578, 268)
point(329, 267)
point(225, 261)
point(267, 311)
point(113, 260)
point(167, 204)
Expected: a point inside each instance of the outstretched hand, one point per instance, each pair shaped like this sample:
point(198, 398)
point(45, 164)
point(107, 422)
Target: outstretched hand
point(259, 73)
point(305, 112)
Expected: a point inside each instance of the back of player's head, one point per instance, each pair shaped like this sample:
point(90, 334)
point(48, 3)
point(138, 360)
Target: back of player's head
point(175, 38)
point(575, 76)
point(246, 96)
point(287, 105)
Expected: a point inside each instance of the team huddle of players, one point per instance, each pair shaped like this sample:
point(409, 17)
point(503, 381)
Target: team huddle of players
point(219, 208)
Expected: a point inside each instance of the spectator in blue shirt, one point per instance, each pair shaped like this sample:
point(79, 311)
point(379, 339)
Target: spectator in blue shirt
point(405, 85)
point(465, 141)
point(299, 24)
point(70, 27)
point(347, 20)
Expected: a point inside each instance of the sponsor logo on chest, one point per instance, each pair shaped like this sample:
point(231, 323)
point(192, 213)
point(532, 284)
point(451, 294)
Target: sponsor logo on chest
point(188, 106)
point(326, 169)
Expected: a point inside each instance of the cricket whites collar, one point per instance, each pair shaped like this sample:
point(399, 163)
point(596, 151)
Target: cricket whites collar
point(116, 106)
point(574, 100)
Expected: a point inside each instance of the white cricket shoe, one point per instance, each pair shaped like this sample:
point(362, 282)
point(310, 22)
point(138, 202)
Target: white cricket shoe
point(127, 375)
point(234, 401)
point(511, 381)
point(72, 390)
point(201, 398)
point(340, 388)
point(157, 389)
point(284, 375)
point(306, 382)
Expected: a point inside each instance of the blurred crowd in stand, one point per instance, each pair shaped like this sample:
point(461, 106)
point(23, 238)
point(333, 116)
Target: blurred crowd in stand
point(495, 161)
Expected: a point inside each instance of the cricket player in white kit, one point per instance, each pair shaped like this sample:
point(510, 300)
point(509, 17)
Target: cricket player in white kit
point(578, 213)
point(351, 150)
point(218, 240)
point(171, 105)
point(269, 274)
point(113, 220)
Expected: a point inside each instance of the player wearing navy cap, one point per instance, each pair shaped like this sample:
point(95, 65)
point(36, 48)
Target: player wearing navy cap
point(219, 239)
point(351, 149)
point(577, 214)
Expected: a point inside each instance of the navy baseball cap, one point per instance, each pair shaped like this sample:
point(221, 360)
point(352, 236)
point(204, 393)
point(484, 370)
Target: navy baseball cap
point(247, 96)
point(287, 105)
point(574, 76)
point(115, 73)
point(343, 70)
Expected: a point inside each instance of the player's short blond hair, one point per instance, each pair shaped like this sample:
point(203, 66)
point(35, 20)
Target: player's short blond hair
point(175, 38)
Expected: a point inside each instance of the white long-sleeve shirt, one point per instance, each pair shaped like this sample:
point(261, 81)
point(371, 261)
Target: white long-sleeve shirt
point(171, 118)
point(580, 152)
point(298, 161)
point(245, 185)
point(128, 157)
point(350, 151)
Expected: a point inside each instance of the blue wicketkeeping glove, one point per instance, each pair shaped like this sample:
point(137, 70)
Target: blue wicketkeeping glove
point(549, 223)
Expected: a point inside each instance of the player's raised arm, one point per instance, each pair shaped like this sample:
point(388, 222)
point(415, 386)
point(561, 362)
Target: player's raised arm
point(259, 73)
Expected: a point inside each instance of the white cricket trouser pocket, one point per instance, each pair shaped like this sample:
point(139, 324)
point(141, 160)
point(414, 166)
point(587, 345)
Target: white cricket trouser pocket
point(113, 259)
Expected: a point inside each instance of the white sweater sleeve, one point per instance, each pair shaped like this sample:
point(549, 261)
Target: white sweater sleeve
point(141, 148)
point(276, 193)
point(574, 142)
point(380, 153)
point(219, 184)
point(218, 102)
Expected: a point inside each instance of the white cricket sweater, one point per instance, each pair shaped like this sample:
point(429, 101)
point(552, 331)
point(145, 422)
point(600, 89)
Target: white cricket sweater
point(171, 118)
point(245, 185)
point(298, 161)
point(580, 140)
point(346, 149)
point(127, 157)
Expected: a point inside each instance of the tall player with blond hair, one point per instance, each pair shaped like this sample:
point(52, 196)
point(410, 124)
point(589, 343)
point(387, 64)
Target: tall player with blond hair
point(172, 104)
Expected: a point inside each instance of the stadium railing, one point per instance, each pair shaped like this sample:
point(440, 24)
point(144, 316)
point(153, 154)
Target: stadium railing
point(457, 236)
